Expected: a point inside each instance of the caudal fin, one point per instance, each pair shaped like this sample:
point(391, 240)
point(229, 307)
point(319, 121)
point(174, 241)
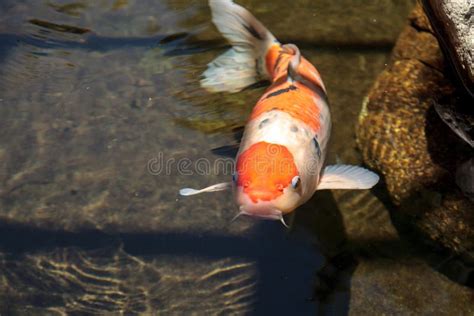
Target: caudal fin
point(241, 65)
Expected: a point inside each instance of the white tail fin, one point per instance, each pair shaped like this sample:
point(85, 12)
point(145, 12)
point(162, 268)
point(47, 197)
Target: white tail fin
point(240, 66)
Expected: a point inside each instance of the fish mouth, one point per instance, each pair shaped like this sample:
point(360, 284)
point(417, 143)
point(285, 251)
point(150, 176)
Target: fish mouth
point(269, 214)
point(272, 214)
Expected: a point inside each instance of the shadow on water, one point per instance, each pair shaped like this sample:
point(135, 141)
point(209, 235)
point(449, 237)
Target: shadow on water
point(331, 282)
point(307, 270)
point(286, 262)
point(284, 267)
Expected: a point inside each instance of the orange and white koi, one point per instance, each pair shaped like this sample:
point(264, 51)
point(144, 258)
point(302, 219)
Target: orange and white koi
point(282, 153)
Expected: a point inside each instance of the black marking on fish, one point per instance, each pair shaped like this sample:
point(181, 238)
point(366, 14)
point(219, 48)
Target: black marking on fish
point(262, 123)
point(281, 91)
point(294, 128)
point(253, 31)
point(316, 144)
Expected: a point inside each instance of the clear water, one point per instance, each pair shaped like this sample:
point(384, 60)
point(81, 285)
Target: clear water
point(93, 93)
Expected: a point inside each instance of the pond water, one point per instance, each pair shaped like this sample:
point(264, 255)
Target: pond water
point(95, 95)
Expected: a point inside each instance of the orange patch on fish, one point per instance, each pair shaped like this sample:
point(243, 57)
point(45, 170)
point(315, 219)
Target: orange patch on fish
point(264, 170)
point(272, 57)
point(310, 73)
point(296, 99)
point(306, 70)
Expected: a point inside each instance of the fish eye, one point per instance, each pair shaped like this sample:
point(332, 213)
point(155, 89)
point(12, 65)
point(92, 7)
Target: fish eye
point(295, 182)
point(234, 177)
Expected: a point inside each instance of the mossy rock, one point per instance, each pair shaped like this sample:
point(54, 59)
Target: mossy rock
point(403, 138)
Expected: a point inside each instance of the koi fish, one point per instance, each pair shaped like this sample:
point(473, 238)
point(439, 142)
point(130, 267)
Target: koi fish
point(281, 159)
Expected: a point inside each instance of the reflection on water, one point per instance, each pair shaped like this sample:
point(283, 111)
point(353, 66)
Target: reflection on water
point(91, 91)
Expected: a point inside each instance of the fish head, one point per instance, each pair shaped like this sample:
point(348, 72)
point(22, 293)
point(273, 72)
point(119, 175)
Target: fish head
point(266, 181)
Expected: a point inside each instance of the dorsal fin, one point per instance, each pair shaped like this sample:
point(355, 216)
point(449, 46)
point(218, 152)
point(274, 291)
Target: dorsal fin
point(294, 61)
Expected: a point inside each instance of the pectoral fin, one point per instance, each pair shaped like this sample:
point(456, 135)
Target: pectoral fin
point(347, 177)
point(212, 188)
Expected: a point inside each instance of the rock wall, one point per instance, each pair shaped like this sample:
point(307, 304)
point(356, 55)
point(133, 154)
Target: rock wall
point(453, 23)
point(401, 136)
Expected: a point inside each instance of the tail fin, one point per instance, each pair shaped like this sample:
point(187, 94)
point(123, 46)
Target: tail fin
point(238, 67)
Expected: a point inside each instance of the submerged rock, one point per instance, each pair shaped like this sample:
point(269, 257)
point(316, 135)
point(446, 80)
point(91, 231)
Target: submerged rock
point(402, 136)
